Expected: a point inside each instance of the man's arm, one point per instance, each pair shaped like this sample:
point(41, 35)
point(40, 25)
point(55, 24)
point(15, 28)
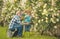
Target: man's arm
point(16, 19)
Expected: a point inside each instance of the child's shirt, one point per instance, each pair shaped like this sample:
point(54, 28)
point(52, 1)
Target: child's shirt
point(27, 18)
point(15, 22)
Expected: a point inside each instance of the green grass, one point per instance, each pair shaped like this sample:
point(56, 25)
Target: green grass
point(25, 36)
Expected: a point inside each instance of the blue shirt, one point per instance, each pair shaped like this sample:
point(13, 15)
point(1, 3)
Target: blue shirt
point(27, 18)
point(15, 22)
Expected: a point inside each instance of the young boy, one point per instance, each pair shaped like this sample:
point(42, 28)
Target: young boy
point(27, 20)
point(16, 23)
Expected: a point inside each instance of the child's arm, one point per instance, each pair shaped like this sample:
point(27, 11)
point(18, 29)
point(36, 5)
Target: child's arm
point(26, 23)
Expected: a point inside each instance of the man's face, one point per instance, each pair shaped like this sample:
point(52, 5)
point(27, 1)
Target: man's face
point(18, 13)
point(21, 12)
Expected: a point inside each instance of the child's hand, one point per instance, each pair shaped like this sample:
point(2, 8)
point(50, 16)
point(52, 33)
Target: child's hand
point(26, 23)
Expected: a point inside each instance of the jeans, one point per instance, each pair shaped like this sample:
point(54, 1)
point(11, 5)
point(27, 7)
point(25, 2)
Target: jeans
point(20, 30)
point(27, 27)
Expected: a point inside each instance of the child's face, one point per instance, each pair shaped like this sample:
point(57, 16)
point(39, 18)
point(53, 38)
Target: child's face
point(28, 12)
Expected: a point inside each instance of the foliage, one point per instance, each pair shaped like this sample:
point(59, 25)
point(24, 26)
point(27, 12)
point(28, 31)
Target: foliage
point(8, 10)
point(44, 13)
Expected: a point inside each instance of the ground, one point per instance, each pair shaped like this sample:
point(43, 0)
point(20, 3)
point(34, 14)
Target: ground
point(26, 36)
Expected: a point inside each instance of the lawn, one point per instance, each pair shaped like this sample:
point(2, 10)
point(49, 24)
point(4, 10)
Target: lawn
point(31, 36)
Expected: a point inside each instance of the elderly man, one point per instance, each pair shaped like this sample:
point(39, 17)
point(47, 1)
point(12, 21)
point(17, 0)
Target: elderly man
point(16, 23)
